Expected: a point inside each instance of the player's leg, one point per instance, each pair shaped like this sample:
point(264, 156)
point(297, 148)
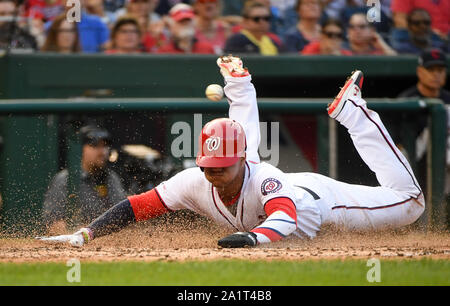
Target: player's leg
point(372, 140)
point(399, 200)
point(241, 96)
point(360, 207)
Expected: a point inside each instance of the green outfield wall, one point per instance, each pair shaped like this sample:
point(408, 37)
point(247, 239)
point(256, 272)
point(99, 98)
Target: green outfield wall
point(24, 76)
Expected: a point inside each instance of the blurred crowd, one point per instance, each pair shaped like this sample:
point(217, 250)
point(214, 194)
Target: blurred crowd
point(266, 27)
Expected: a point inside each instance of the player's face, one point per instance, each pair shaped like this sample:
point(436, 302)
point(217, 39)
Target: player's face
point(432, 77)
point(223, 177)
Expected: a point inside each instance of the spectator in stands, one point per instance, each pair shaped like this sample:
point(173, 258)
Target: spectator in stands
point(97, 7)
point(307, 28)
point(94, 33)
point(330, 42)
point(44, 9)
point(363, 38)
point(125, 36)
point(418, 36)
point(36, 28)
point(438, 10)
point(235, 21)
point(151, 24)
point(344, 9)
point(12, 36)
point(182, 33)
point(255, 36)
point(62, 36)
point(99, 186)
point(282, 12)
point(431, 75)
point(143, 10)
point(208, 27)
point(38, 13)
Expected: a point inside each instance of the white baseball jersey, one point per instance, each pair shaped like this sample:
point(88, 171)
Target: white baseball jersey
point(315, 199)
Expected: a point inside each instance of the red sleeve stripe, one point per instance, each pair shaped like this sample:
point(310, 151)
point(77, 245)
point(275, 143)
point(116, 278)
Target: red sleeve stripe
point(269, 233)
point(147, 205)
point(281, 204)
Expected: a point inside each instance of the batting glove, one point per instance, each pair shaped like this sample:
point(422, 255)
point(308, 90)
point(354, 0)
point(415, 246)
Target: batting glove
point(238, 240)
point(77, 239)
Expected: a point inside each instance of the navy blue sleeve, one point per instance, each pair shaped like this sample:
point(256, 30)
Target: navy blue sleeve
point(113, 220)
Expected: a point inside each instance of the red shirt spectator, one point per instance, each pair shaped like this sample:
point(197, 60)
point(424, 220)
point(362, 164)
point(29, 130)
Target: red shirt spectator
point(152, 43)
point(218, 40)
point(43, 9)
point(182, 33)
point(439, 11)
point(312, 49)
point(363, 38)
point(330, 41)
point(207, 26)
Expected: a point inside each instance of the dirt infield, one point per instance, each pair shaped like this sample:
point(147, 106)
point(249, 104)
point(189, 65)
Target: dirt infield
point(197, 240)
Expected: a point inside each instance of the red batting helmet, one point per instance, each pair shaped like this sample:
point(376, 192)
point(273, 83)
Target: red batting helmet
point(221, 144)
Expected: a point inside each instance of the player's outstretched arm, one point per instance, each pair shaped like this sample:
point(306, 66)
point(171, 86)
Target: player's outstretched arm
point(136, 208)
point(113, 220)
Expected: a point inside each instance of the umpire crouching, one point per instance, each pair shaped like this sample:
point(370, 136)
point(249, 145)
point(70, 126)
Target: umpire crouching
point(99, 188)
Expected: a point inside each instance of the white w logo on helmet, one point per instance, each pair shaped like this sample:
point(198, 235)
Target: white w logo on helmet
point(212, 143)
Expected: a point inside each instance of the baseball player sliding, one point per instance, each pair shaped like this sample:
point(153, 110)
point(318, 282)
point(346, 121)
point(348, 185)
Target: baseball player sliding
point(259, 202)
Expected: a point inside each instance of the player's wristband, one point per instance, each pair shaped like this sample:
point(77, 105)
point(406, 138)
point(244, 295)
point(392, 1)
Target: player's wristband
point(87, 234)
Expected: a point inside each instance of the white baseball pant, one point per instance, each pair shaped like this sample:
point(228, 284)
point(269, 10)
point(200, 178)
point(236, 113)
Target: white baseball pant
point(398, 201)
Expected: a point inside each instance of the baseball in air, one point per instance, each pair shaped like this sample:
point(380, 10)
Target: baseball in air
point(214, 92)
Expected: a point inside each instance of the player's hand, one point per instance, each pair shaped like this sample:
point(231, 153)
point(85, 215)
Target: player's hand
point(238, 240)
point(77, 239)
